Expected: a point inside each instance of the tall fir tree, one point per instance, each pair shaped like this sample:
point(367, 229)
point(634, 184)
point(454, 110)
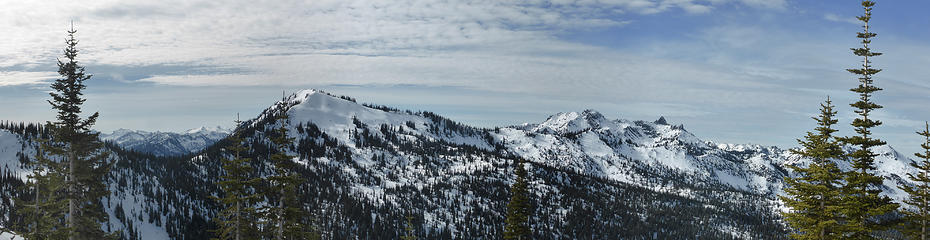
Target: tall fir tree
point(237, 219)
point(865, 208)
point(814, 195)
point(917, 219)
point(518, 209)
point(69, 188)
point(287, 218)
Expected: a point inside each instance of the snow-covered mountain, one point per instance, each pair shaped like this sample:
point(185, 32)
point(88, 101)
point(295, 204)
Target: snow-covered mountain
point(367, 167)
point(640, 152)
point(166, 143)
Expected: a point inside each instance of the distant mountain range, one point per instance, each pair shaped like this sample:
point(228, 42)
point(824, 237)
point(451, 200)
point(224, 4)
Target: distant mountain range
point(367, 167)
point(166, 143)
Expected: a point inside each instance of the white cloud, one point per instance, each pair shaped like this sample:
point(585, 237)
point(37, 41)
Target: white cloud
point(837, 18)
point(773, 4)
point(13, 78)
point(169, 32)
point(472, 44)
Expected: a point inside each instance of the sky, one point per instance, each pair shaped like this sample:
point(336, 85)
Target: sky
point(731, 71)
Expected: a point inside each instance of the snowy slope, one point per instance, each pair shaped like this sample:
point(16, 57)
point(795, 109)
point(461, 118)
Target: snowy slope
point(368, 167)
point(636, 151)
point(140, 190)
point(337, 117)
point(12, 147)
point(166, 143)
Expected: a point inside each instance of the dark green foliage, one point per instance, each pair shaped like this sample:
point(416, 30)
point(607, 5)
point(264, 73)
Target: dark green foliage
point(865, 208)
point(237, 219)
point(67, 190)
point(43, 209)
point(814, 196)
point(519, 209)
point(917, 220)
point(411, 233)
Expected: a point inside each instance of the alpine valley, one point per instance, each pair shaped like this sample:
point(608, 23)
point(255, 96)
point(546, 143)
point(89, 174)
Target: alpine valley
point(367, 167)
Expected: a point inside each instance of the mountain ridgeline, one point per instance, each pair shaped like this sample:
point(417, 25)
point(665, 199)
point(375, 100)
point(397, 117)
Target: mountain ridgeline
point(368, 167)
point(166, 143)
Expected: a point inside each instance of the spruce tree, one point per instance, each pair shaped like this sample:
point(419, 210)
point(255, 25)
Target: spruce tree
point(814, 194)
point(237, 220)
point(865, 208)
point(286, 214)
point(410, 231)
point(69, 188)
point(518, 210)
point(917, 219)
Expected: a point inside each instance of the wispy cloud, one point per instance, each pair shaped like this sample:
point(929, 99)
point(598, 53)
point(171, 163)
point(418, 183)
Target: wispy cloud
point(137, 33)
point(837, 18)
point(13, 78)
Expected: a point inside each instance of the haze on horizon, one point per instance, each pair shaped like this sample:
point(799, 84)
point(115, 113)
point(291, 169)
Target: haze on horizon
point(736, 71)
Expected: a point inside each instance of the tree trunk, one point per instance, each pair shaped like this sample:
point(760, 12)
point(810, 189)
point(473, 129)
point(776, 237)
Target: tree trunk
point(71, 193)
point(35, 227)
point(281, 215)
point(238, 221)
point(823, 211)
point(923, 225)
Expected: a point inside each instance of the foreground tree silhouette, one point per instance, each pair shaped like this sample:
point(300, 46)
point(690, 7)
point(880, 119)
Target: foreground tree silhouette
point(814, 195)
point(70, 185)
point(864, 207)
point(917, 220)
point(518, 210)
point(237, 219)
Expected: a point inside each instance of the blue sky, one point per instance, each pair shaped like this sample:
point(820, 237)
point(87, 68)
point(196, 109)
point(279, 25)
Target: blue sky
point(736, 71)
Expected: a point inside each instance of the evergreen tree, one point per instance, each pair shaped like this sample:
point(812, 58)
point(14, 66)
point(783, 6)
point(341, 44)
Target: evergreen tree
point(408, 228)
point(236, 220)
point(864, 207)
point(287, 216)
point(68, 189)
point(518, 210)
point(814, 195)
point(917, 223)
point(45, 209)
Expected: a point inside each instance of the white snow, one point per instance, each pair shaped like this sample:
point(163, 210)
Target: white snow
point(10, 236)
point(10, 146)
point(732, 180)
point(334, 116)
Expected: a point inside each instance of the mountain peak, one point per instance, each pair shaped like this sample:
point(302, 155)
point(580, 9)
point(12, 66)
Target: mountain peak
point(661, 121)
point(567, 122)
point(203, 129)
point(306, 94)
point(196, 130)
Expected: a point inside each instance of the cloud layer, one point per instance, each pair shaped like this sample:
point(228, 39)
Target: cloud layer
point(256, 36)
point(735, 69)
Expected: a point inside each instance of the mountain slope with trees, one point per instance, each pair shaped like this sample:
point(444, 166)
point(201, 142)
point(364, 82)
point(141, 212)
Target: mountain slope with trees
point(366, 168)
